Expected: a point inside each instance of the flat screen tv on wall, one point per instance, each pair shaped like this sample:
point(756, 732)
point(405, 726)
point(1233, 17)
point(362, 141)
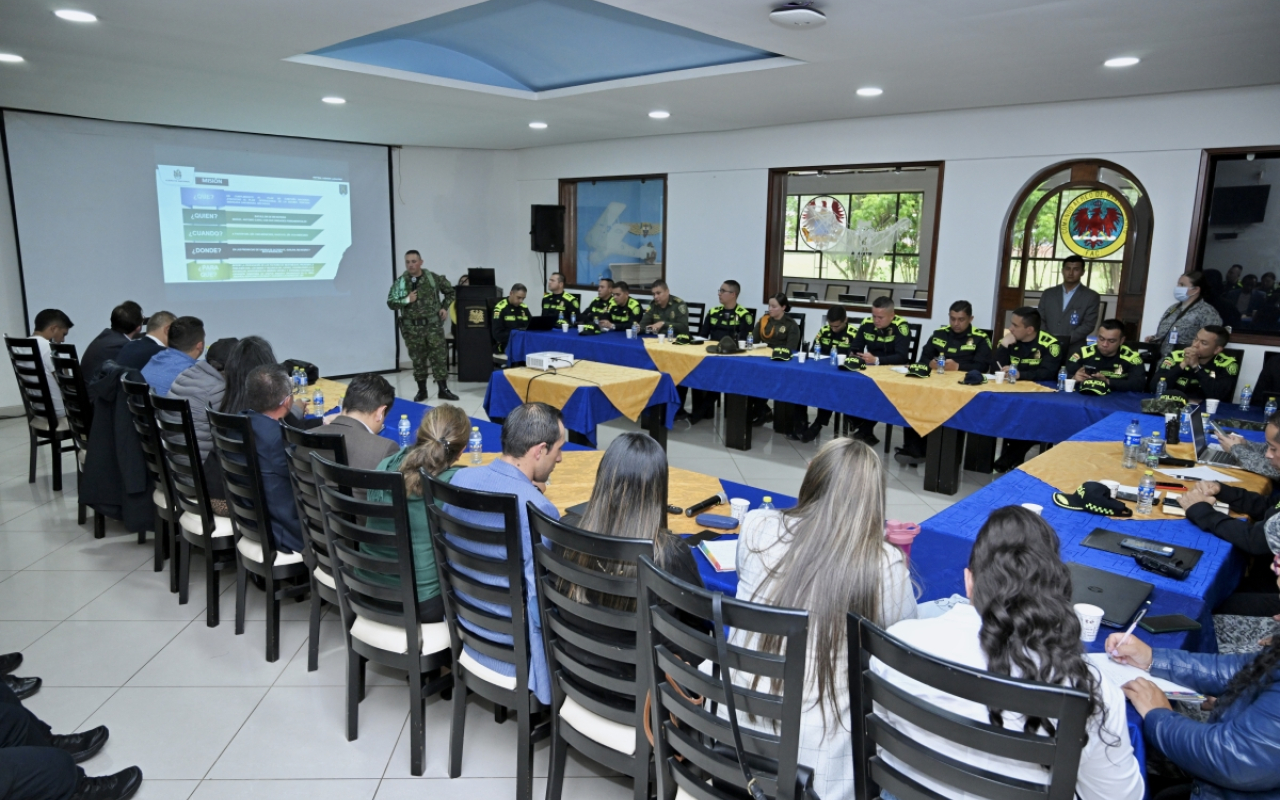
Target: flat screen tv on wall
point(1239, 205)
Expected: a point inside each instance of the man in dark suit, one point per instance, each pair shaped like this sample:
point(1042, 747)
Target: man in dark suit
point(137, 353)
point(1069, 311)
point(364, 412)
point(269, 397)
point(126, 321)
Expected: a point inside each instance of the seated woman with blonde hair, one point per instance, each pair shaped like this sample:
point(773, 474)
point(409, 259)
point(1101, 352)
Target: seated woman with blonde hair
point(442, 438)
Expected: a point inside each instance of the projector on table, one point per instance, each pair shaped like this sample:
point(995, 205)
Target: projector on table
point(549, 360)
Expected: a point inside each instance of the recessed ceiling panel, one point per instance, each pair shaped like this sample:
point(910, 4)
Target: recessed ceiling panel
point(540, 46)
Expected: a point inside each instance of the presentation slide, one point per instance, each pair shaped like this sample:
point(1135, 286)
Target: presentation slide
point(287, 239)
point(221, 227)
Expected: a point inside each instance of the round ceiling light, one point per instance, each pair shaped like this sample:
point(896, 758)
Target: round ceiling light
point(1122, 61)
point(659, 114)
point(537, 126)
point(870, 91)
point(11, 58)
point(798, 15)
point(71, 15)
point(335, 101)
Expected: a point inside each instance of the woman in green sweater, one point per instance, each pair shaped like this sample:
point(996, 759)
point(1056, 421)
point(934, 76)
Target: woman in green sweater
point(442, 438)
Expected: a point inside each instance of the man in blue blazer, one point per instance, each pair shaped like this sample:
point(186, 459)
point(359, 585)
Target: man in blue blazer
point(269, 397)
point(138, 353)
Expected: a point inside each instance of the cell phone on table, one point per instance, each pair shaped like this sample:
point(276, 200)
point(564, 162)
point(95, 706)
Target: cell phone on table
point(1169, 623)
point(1219, 432)
point(1146, 546)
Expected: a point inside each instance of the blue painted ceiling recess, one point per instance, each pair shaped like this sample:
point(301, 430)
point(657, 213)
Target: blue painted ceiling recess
point(541, 45)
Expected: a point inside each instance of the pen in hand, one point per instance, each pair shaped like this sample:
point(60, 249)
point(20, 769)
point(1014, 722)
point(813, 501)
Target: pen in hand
point(1116, 652)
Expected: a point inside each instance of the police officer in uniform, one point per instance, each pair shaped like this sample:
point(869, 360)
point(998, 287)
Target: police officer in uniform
point(666, 313)
point(1110, 360)
point(1037, 355)
point(727, 319)
point(557, 301)
point(417, 294)
point(510, 314)
point(882, 339)
point(1201, 369)
point(963, 348)
point(626, 310)
point(835, 334)
point(602, 305)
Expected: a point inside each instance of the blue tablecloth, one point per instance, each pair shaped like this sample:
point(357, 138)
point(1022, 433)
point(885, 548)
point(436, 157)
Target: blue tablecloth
point(587, 406)
point(491, 433)
point(941, 551)
point(1042, 417)
point(727, 582)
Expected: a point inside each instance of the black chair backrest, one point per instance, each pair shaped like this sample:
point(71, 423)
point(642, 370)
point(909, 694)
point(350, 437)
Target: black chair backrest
point(589, 624)
point(874, 292)
point(233, 445)
point(1238, 354)
point(675, 612)
point(915, 329)
point(305, 494)
point(697, 312)
point(75, 398)
point(1267, 383)
point(921, 294)
point(33, 382)
point(991, 334)
point(138, 395)
point(63, 349)
point(177, 436)
point(796, 286)
point(1059, 753)
point(493, 551)
point(345, 524)
point(834, 290)
point(852, 299)
point(754, 315)
point(798, 318)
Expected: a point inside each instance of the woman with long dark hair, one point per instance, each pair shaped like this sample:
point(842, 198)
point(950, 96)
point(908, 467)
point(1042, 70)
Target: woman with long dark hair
point(249, 352)
point(1020, 622)
point(828, 555)
point(1236, 753)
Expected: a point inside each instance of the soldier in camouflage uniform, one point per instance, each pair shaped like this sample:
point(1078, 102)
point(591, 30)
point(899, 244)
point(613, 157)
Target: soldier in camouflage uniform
point(416, 294)
point(667, 313)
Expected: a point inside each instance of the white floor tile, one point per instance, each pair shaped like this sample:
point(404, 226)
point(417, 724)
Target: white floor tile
point(52, 595)
point(65, 708)
point(107, 553)
point(20, 549)
point(97, 653)
point(204, 656)
point(287, 790)
point(18, 635)
point(161, 789)
point(144, 595)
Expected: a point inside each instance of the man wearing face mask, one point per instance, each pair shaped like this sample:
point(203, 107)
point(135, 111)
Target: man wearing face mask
point(364, 412)
point(1182, 320)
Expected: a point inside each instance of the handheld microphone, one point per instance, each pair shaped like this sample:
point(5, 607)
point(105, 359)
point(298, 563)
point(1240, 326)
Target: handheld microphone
point(715, 500)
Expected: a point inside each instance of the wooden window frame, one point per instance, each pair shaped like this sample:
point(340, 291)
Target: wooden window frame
point(569, 199)
point(776, 233)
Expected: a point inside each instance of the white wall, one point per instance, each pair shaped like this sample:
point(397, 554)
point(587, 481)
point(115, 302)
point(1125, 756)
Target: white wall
point(717, 181)
point(11, 321)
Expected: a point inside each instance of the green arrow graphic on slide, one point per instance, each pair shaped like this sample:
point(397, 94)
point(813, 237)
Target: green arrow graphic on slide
point(219, 233)
point(212, 216)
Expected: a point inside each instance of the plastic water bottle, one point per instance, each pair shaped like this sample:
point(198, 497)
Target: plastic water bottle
point(405, 430)
point(635, 329)
point(1155, 448)
point(475, 445)
point(302, 380)
point(1011, 376)
point(560, 321)
point(767, 505)
point(751, 340)
point(1132, 444)
point(835, 356)
point(317, 403)
point(1062, 379)
point(817, 349)
point(1184, 426)
point(1146, 493)
point(1160, 387)
point(1246, 395)
point(573, 319)
point(942, 362)
point(1270, 407)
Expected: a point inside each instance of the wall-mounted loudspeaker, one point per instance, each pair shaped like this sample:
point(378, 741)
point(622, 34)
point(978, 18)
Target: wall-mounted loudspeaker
point(546, 229)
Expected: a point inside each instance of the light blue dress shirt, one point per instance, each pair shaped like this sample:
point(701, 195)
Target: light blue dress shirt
point(164, 367)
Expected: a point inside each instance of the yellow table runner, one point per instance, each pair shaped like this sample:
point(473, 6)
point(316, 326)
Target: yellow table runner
point(628, 389)
point(927, 403)
point(678, 360)
point(575, 476)
point(1067, 465)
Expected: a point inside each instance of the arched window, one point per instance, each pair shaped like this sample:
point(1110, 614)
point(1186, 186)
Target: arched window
point(1093, 208)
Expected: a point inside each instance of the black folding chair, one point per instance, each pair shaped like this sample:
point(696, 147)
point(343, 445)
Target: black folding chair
point(44, 426)
point(457, 544)
point(316, 553)
point(880, 707)
point(697, 311)
point(597, 699)
point(75, 399)
point(197, 524)
point(378, 594)
point(233, 442)
point(138, 395)
point(694, 749)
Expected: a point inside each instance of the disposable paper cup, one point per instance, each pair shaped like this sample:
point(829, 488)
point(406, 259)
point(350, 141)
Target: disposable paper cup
point(840, 359)
point(1034, 508)
point(1112, 486)
point(1071, 384)
point(564, 327)
point(1090, 618)
point(802, 355)
point(662, 336)
point(999, 377)
point(631, 334)
point(1211, 406)
point(742, 344)
point(739, 508)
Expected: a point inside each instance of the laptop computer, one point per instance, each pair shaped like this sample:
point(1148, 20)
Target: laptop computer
point(1208, 453)
point(541, 323)
point(1118, 596)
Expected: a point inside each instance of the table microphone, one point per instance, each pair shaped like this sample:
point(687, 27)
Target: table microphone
point(714, 500)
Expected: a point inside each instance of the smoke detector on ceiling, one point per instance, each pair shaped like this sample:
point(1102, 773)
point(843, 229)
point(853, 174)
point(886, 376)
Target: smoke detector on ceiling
point(798, 15)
